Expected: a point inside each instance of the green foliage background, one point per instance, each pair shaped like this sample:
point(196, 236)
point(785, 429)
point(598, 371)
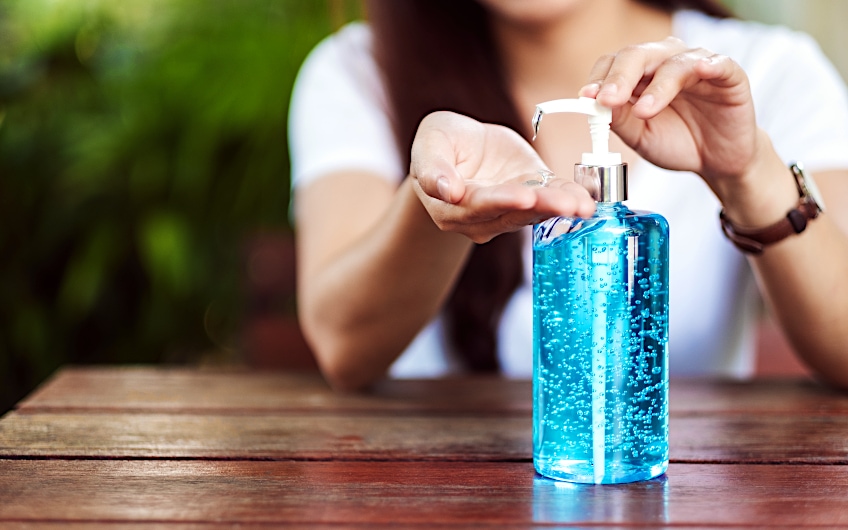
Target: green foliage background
point(141, 141)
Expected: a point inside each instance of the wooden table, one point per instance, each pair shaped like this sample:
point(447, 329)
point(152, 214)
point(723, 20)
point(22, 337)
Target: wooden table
point(136, 447)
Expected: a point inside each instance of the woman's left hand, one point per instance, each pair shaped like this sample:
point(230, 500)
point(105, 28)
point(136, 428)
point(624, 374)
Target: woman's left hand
point(682, 109)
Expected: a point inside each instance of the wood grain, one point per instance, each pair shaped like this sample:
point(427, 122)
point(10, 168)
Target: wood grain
point(723, 438)
point(142, 447)
point(755, 439)
point(766, 395)
point(293, 436)
point(415, 494)
point(184, 390)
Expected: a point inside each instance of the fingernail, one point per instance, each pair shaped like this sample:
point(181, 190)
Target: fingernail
point(591, 88)
point(646, 101)
point(609, 90)
point(443, 186)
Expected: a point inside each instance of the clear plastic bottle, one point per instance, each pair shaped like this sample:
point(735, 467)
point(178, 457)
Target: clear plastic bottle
point(600, 326)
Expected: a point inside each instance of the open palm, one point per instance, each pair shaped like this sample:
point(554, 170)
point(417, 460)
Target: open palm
point(477, 179)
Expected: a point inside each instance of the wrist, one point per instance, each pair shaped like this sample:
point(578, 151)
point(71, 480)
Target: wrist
point(763, 193)
point(753, 240)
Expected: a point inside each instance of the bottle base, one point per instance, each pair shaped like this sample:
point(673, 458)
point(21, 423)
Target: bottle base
point(582, 471)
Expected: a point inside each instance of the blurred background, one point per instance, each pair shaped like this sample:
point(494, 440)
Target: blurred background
point(144, 177)
point(144, 181)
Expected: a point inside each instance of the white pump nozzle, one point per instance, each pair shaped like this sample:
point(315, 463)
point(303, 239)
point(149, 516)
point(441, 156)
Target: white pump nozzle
point(600, 118)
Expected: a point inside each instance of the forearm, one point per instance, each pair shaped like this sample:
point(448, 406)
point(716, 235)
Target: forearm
point(802, 277)
point(363, 307)
point(803, 281)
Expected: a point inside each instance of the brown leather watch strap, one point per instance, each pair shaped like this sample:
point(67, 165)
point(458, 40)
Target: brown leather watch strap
point(754, 240)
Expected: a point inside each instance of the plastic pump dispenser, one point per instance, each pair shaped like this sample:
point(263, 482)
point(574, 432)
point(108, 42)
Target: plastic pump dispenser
point(601, 172)
point(600, 310)
point(600, 118)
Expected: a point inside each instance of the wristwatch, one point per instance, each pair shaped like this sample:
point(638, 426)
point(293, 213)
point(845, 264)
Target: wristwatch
point(810, 205)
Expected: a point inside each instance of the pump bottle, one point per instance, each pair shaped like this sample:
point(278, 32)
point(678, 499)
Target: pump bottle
point(600, 327)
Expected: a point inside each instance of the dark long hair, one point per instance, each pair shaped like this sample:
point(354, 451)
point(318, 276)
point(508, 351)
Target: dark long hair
point(440, 55)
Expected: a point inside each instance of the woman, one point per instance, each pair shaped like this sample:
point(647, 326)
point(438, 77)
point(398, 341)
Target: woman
point(394, 275)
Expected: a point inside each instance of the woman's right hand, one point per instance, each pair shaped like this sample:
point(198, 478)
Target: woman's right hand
point(473, 179)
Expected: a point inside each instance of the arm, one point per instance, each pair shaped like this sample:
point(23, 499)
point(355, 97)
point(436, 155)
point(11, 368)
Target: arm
point(702, 101)
point(377, 263)
point(373, 270)
point(803, 280)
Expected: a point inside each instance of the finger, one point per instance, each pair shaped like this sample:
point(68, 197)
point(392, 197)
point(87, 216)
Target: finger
point(597, 76)
point(486, 203)
point(558, 196)
point(721, 71)
point(671, 77)
point(640, 88)
point(486, 212)
point(573, 201)
point(489, 202)
point(479, 205)
point(589, 91)
point(563, 197)
point(570, 201)
point(629, 66)
point(433, 155)
point(439, 179)
point(480, 216)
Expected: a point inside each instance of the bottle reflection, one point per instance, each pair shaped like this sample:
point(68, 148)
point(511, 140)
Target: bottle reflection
point(565, 502)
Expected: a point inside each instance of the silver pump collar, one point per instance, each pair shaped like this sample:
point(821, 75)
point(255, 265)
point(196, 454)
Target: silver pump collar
point(604, 183)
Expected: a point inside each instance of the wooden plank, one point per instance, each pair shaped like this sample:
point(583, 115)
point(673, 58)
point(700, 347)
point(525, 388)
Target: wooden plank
point(172, 525)
point(29, 524)
point(758, 438)
point(722, 438)
point(142, 389)
point(761, 395)
point(293, 436)
point(427, 494)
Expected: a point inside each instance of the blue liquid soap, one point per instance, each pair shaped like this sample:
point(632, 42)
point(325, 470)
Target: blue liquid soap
point(600, 330)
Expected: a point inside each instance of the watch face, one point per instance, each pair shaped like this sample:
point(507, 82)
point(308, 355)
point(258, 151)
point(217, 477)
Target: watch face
point(808, 185)
point(814, 191)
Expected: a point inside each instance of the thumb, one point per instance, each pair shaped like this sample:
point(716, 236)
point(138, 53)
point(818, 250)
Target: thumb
point(434, 155)
point(440, 180)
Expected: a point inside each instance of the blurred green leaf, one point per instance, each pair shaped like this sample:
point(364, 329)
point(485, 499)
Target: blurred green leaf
point(87, 271)
point(164, 245)
point(141, 143)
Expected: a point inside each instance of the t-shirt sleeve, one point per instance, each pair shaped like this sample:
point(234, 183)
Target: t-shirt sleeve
point(801, 101)
point(338, 118)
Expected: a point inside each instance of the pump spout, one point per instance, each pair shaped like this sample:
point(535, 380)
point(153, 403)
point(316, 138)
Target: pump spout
point(537, 121)
point(600, 118)
point(587, 106)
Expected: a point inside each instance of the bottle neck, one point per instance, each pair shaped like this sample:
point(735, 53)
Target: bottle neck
point(610, 209)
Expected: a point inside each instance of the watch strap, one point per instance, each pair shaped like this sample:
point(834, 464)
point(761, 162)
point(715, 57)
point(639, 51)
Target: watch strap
point(754, 240)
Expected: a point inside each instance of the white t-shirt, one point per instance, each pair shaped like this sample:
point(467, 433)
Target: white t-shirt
point(339, 119)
